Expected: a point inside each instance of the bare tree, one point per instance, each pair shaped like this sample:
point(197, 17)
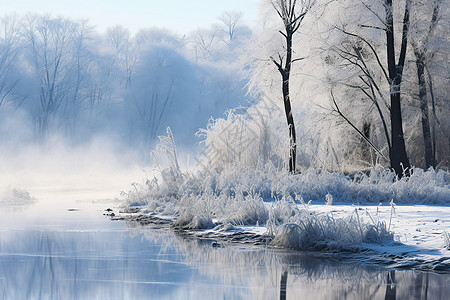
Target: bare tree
point(231, 20)
point(398, 157)
point(422, 57)
point(122, 43)
point(53, 45)
point(151, 92)
point(292, 13)
point(363, 54)
point(9, 49)
point(203, 40)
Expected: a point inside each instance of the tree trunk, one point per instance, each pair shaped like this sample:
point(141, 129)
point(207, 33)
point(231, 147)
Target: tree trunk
point(390, 286)
point(430, 160)
point(398, 158)
point(287, 99)
point(291, 126)
point(434, 120)
point(292, 21)
point(283, 285)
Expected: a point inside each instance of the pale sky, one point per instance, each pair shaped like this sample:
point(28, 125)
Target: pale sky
point(180, 16)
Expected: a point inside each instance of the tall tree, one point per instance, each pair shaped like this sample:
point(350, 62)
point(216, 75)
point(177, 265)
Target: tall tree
point(54, 46)
point(230, 20)
point(398, 157)
point(9, 49)
point(422, 55)
point(292, 13)
point(361, 52)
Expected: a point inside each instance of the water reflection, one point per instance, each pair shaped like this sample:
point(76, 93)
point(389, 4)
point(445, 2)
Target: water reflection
point(86, 265)
point(118, 263)
point(270, 274)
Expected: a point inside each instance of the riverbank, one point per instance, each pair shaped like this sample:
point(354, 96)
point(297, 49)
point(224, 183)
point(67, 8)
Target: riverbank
point(418, 241)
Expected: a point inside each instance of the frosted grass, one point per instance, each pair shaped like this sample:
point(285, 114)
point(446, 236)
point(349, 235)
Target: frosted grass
point(267, 196)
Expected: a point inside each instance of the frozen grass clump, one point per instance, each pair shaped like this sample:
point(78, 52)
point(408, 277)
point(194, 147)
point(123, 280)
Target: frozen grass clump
point(197, 202)
point(422, 187)
point(322, 232)
point(244, 210)
point(188, 221)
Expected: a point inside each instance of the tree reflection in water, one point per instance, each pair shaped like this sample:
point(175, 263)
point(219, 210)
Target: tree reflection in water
point(133, 263)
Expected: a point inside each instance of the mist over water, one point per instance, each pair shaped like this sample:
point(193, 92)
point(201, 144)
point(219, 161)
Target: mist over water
point(81, 110)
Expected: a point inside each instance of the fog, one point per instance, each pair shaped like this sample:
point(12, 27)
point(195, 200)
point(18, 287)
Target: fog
point(81, 108)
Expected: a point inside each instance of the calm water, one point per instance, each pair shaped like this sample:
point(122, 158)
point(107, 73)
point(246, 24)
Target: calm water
point(48, 252)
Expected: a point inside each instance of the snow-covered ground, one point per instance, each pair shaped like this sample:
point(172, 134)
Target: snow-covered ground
point(372, 217)
point(418, 233)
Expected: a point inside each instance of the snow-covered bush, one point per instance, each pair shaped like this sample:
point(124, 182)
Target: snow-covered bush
point(308, 230)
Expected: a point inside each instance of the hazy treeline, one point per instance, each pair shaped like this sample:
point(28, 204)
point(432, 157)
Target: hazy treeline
point(60, 76)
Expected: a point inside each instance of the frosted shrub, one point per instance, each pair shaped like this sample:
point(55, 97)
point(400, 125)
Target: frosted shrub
point(197, 202)
point(208, 209)
point(328, 199)
point(318, 232)
point(166, 152)
point(194, 212)
point(245, 210)
point(245, 140)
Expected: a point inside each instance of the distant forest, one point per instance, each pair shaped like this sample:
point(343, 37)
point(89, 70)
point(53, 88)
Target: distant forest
point(362, 78)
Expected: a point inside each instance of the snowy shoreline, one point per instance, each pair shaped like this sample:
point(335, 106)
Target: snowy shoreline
point(418, 243)
point(372, 215)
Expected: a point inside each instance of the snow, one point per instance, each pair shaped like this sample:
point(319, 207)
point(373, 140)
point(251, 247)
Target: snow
point(419, 230)
point(373, 215)
point(416, 237)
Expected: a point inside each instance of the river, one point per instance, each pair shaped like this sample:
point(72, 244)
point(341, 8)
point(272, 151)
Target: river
point(63, 247)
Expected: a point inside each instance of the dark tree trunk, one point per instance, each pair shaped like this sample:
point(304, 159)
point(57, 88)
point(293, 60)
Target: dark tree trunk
point(430, 160)
point(285, 74)
point(390, 286)
point(420, 52)
point(292, 21)
point(283, 285)
point(398, 158)
point(291, 126)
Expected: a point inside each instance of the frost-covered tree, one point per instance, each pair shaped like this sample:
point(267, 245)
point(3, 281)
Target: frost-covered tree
point(221, 41)
point(292, 13)
point(10, 45)
point(368, 78)
point(124, 52)
point(230, 20)
point(398, 158)
point(426, 17)
point(55, 47)
point(374, 69)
